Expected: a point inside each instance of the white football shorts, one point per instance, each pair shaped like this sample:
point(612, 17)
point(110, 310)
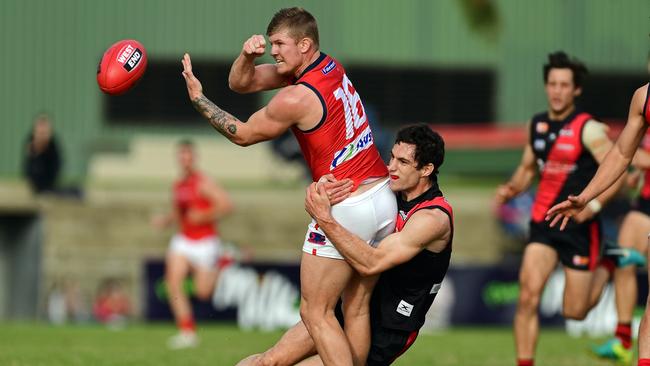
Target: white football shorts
point(370, 215)
point(203, 253)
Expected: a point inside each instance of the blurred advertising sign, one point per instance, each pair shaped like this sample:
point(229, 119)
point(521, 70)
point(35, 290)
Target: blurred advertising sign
point(266, 296)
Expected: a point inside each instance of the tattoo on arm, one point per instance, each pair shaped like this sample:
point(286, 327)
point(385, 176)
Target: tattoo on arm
point(221, 120)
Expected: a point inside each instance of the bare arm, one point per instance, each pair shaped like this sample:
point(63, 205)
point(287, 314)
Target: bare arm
point(221, 203)
point(521, 178)
point(613, 166)
point(290, 106)
point(641, 159)
point(595, 139)
point(245, 77)
point(428, 229)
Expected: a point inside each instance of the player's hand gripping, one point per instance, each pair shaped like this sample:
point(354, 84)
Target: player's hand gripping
point(194, 87)
point(317, 204)
point(337, 190)
point(325, 193)
point(565, 210)
point(505, 192)
point(254, 46)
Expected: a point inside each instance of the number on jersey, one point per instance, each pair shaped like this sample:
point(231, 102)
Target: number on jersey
point(355, 114)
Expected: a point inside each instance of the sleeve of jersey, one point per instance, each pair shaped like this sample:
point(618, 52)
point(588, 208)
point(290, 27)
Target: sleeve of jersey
point(594, 136)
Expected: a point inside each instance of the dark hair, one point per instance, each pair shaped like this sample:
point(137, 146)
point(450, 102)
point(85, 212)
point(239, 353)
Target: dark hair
point(298, 21)
point(429, 146)
point(186, 143)
point(560, 60)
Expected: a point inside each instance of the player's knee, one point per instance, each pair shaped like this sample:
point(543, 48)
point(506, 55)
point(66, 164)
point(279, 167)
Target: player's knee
point(270, 359)
point(203, 294)
point(173, 286)
point(312, 316)
point(528, 298)
point(258, 360)
point(575, 311)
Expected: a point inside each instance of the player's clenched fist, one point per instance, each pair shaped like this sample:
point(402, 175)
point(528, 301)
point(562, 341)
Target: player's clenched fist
point(505, 193)
point(254, 46)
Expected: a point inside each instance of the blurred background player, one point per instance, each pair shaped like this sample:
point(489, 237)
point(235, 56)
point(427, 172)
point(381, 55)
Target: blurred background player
point(198, 204)
point(412, 262)
point(618, 159)
point(42, 159)
point(565, 146)
point(319, 104)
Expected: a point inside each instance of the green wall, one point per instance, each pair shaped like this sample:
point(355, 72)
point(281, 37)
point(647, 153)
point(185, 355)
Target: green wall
point(51, 49)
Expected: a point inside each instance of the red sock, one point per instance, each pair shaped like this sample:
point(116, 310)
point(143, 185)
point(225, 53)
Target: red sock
point(187, 324)
point(644, 362)
point(526, 362)
point(624, 333)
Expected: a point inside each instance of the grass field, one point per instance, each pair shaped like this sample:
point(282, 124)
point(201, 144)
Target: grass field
point(39, 344)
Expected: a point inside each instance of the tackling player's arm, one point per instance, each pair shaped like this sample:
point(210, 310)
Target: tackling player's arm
point(293, 105)
point(521, 178)
point(221, 203)
point(426, 229)
point(246, 77)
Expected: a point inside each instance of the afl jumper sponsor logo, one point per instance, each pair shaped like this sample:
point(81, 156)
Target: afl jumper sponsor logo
point(404, 308)
point(567, 132)
point(580, 261)
point(329, 67)
point(363, 142)
point(541, 127)
point(565, 147)
point(316, 238)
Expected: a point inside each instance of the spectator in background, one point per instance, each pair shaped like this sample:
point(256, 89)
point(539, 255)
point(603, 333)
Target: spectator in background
point(112, 305)
point(42, 162)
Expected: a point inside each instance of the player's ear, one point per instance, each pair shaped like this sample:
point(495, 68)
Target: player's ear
point(577, 91)
point(426, 170)
point(305, 44)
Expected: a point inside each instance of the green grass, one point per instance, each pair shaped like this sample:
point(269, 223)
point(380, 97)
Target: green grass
point(36, 344)
point(144, 344)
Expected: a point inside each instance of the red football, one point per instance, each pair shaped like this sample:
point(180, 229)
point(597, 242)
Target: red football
point(121, 67)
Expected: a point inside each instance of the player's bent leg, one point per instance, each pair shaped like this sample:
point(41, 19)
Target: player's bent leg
point(294, 346)
point(538, 263)
point(176, 269)
point(249, 361)
point(356, 314)
point(578, 288)
point(311, 361)
point(204, 281)
point(632, 235)
point(600, 278)
point(322, 281)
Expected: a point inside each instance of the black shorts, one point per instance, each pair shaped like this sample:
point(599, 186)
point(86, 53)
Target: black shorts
point(642, 205)
point(579, 246)
point(388, 344)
